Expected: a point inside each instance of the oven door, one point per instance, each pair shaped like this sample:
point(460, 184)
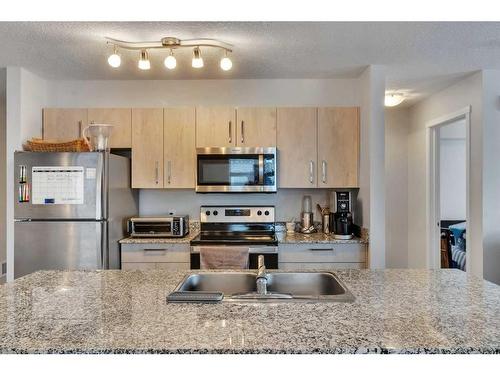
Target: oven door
point(270, 254)
point(238, 169)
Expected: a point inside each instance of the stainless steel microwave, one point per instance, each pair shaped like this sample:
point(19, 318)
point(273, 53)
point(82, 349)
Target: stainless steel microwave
point(236, 170)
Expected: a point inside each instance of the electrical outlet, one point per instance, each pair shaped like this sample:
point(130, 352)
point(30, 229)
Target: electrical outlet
point(4, 269)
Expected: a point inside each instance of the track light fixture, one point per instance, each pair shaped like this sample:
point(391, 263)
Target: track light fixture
point(144, 63)
point(170, 43)
point(197, 59)
point(114, 60)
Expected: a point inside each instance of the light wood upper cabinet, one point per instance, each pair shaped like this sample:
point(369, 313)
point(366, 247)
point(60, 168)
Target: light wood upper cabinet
point(215, 127)
point(256, 127)
point(297, 147)
point(338, 147)
point(121, 118)
point(147, 148)
point(179, 147)
point(63, 123)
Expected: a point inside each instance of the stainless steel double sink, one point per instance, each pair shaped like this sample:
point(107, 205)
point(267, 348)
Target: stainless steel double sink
point(281, 286)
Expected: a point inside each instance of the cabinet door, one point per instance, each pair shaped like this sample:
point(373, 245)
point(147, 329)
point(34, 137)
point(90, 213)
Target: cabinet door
point(256, 127)
point(297, 147)
point(338, 147)
point(215, 127)
point(121, 118)
point(179, 147)
point(147, 148)
point(64, 123)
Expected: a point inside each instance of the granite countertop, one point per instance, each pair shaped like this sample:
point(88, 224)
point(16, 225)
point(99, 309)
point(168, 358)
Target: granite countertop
point(283, 237)
point(319, 237)
point(153, 240)
point(396, 311)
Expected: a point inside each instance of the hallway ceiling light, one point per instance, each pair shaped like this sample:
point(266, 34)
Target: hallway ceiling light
point(144, 63)
point(393, 99)
point(170, 43)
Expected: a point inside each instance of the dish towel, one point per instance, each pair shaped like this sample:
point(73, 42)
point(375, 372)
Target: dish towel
point(223, 257)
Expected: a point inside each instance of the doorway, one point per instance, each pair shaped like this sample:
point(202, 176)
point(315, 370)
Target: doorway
point(448, 190)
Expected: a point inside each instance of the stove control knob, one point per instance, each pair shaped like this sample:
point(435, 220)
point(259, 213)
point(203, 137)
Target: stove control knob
point(207, 213)
point(216, 213)
point(266, 213)
point(259, 212)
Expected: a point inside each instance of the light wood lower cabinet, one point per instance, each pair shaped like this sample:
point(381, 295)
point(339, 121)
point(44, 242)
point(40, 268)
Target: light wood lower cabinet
point(297, 147)
point(147, 148)
point(322, 256)
point(120, 118)
point(155, 256)
point(179, 148)
point(63, 124)
point(256, 127)
point(338, 147)
point(215, 127)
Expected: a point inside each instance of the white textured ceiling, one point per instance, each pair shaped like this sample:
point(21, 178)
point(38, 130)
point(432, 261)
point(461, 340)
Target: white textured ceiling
point(420, 57)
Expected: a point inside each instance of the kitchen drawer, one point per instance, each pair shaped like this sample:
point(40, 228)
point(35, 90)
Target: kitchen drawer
point(155, 253)
point(322, 253)
point(319, 266)
point(155, 266)
point(173, 266)
point(138, 266)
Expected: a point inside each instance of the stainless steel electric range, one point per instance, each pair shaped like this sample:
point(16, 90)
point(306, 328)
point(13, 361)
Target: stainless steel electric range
point(252, 227)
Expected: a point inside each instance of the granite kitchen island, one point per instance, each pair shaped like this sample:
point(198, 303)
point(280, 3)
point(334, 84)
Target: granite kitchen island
point(395, 311)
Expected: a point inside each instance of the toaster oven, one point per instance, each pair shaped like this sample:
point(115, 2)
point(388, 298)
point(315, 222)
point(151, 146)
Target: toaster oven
point(167, 226)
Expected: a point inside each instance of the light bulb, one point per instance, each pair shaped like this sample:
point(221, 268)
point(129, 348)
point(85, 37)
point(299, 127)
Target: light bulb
point(197, 60)
point(144, 63)
point(392, 100)
point(114, 60)
point(170, 61)
point(226, 63)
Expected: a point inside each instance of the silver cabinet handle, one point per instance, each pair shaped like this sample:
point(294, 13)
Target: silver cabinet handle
point(157, 172)
point(242, 131)
point(169, 171)
point(323, 171)
point(230, 132)
point(323, 249)
point(151, 250)
point(311, 171)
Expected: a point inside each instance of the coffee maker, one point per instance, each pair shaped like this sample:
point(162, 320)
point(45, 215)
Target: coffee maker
point(342, 216)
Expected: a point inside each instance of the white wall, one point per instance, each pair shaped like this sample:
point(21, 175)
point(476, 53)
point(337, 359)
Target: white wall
point(396, 186)
point(452, 159)
point(371, 198)
point(464, 93)
point(491, 175)
point(3, 166)
point(26, 96)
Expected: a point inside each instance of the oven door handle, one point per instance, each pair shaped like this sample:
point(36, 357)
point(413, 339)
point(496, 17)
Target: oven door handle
point(261, 169)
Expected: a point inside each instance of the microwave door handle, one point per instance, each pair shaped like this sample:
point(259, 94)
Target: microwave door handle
point(261, 169)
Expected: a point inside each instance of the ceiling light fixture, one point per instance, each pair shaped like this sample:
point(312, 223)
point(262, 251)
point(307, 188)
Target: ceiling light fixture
point(226, 63)
point(393, 99)
point(114, 60)
point(171, 43)
point(197, 59)
point(144, 63)
point(170, 61)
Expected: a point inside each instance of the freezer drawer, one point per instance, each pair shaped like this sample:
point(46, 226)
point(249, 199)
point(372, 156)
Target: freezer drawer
point(59, 245)
point(60, 185)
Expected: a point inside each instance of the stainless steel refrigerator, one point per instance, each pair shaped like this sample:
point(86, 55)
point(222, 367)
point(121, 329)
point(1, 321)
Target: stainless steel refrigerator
point(70, 210)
